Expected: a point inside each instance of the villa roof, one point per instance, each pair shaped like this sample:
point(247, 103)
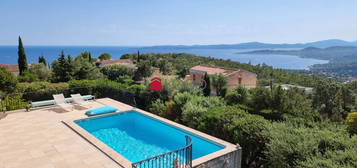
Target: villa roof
point(211, 70)
point(13, 68)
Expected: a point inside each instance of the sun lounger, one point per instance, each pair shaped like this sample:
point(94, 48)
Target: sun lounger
point(61, 102)
point(78, 99)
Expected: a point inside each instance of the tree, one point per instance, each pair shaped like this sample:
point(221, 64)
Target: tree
point(279, 99)
point(238, 95)
point(86, 55)
point(144, 70)
point(42, 60)
point(138, 57)
point(352, 122)
point(83, 69)
point(206, 85)
point(40, 70)
point(105, 56)
point(118, 72)
point(164, 66)
point(8, 81)
point(219, 82)
point(22, 60)
point(328, 99)
point(182, 72)
point(62, 68)
point(261, 98)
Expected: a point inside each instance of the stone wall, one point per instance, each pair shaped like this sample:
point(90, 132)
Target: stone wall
point(230, 160)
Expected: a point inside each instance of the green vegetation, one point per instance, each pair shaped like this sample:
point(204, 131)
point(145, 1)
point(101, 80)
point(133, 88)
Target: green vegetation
point(220, 83)
point(41, 71)
point(342, 60)
point(352, 122)
point(275, 127)
point(22, 60)
point(181, 62)
point(207, 85)
point(144, 70)
point(119, 73)
point(42, 60)
point(7, 81)
point(105, 56)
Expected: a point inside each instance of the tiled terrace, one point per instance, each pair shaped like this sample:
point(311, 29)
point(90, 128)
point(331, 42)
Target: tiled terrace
point(38, 139)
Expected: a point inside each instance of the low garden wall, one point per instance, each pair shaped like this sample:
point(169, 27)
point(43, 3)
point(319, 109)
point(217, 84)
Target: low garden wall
point(229, 160)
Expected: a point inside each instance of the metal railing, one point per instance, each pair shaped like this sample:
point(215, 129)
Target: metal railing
point(180, 158)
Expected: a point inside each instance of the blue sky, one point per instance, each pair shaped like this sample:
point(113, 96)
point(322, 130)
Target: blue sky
point(160, 22)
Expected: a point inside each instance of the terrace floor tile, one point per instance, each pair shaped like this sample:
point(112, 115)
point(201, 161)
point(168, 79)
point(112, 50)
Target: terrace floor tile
point(39, 139)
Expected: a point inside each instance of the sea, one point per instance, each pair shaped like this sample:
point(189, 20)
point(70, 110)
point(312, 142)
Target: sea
point(8, 54)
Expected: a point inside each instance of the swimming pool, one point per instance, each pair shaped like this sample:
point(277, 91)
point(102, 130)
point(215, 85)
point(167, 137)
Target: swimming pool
point(137, 136)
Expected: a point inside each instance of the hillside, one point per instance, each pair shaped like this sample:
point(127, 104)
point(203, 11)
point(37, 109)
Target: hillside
point(343, 59)
point(259, 45)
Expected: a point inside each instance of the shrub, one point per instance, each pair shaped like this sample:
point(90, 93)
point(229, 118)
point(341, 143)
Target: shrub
point(248, 131)
point(105, 56)
point(13, 102)
point(158, 107)
point(174, 86)
point(40, 70)
point(7, 80)
point(196, 106)
point(28, 77)
point(103, 90)
point(38, 91)
point(292, 145)
point(83, 69)
point(179, 101)
point(238, 95)
point(117, 72)
point(352, 122)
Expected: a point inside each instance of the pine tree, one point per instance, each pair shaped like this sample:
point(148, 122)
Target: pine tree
point(42, 59)
point(22, 60)
point(60, 69)
point(207, 85)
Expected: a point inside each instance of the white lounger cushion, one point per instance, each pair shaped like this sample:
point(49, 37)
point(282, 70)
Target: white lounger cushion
point(78, 99)
point(60, 101)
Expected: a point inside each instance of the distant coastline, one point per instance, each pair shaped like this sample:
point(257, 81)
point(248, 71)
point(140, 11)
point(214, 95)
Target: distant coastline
point(8, 54)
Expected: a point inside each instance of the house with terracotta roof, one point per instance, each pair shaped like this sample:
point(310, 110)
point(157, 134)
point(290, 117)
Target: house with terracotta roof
point(236, 77)
point(126, 62)
point(13, 68)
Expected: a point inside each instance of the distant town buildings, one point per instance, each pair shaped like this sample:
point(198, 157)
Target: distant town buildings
point(288, 86)
point(236, 77)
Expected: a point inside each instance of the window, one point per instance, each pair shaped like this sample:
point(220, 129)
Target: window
point(239, 80)
point(194, 77)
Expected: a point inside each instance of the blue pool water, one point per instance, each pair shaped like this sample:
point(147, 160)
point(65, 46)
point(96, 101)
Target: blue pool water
point(138, 137)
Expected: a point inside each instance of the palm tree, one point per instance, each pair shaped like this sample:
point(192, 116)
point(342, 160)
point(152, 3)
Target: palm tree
point(219, 82)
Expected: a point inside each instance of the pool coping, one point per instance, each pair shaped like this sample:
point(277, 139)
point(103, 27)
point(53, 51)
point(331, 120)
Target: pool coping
point(122, 161)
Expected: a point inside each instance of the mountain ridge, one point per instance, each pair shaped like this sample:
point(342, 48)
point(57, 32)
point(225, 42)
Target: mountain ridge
point(260, 45)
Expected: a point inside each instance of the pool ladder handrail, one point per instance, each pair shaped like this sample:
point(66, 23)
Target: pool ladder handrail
point(186, 151)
